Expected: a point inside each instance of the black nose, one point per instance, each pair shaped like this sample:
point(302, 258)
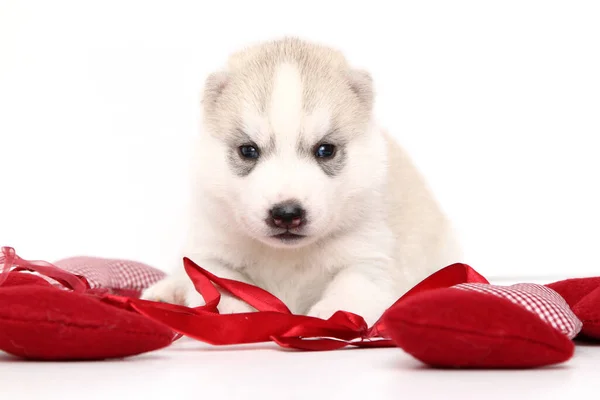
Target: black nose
point(289, 214)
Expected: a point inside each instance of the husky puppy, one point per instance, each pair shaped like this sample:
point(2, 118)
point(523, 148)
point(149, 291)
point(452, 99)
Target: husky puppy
point(297, 189)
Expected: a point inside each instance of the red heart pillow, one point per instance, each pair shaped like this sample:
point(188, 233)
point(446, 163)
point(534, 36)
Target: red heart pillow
point(478, 325)
point(45, 323)
point(18, 279)
point(41, 321)
point(583, 295)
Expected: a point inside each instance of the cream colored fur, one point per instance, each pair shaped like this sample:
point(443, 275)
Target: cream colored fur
point(374, 229)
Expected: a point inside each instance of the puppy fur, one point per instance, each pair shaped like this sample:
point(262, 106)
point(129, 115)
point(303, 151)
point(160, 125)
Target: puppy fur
point(372, 228)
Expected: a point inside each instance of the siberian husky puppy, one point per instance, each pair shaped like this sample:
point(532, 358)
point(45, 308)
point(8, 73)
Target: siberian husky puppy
point(297, 190)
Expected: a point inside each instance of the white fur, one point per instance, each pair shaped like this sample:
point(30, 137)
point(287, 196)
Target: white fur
point(374, 231)
point(285, 110)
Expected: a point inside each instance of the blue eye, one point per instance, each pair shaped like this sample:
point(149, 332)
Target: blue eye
point(249, 152)
point(325, 151)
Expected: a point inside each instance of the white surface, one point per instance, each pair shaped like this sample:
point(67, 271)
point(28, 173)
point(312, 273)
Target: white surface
point(497, 101)
point(191, 370)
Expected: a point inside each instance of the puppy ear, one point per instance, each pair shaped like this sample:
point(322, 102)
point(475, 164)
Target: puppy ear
point(361, 84)
point(213, 87)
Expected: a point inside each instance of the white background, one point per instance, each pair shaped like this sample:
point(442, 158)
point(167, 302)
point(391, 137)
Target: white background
point(498, 102)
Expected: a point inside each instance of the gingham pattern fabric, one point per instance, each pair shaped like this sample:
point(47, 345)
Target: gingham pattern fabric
point(538, 299)
point(116, 275)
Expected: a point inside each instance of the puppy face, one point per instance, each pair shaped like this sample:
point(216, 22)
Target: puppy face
point(292, 125)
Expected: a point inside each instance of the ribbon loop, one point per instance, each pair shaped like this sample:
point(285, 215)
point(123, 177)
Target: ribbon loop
point(258, 298)
point(11, 259)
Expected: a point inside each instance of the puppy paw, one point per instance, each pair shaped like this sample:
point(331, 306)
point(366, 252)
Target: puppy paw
point(227, 305)
point(169, 290)
point(231, 305)
point(177, 291)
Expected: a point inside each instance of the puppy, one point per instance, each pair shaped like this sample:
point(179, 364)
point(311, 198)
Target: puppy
point(297, 190)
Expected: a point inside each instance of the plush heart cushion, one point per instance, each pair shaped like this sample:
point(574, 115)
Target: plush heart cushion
point(41, 322)
point(484, 326)
point(583, 295)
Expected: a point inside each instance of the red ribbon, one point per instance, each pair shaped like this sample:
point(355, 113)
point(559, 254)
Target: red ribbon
point(272, 322)
point(10, 259)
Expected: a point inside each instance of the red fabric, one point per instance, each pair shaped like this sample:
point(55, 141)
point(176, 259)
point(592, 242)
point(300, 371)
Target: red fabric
point(583, 295)
point(588, 310)
point(38, 321)
point(468, 329)
point(455, 274)
point(573, 290)
point(17, 279)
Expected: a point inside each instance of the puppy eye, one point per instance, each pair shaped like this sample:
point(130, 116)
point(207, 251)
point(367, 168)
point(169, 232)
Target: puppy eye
point(325, 150)
point(249, 151)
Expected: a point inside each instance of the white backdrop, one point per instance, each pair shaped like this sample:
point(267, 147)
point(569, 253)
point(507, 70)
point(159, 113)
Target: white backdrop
point(498, 102)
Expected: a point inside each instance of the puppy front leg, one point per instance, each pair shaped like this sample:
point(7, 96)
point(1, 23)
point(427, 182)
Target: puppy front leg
point(365, 289)
point(179, 289)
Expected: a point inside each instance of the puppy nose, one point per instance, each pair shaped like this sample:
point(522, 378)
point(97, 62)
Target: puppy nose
point(289, 214)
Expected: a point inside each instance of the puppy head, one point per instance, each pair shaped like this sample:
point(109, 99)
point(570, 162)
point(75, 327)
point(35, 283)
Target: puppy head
point(294, 156)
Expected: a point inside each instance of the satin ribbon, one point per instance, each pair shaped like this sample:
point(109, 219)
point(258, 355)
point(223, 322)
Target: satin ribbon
point(10, 260)
point(273, 322)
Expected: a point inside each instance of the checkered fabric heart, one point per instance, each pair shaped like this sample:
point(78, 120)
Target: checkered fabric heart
point(540, 300)
point(118, 276)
